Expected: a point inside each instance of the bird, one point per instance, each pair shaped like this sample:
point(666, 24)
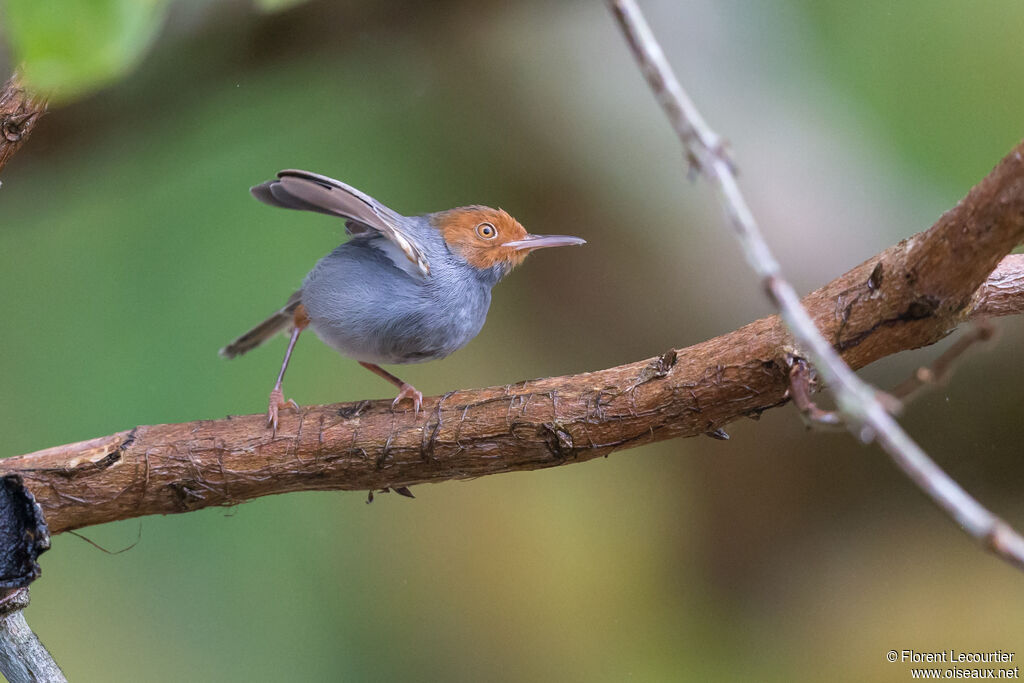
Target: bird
point(402, 289)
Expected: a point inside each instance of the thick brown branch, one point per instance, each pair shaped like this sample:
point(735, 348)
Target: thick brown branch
point(465, 434)
point(19, 112)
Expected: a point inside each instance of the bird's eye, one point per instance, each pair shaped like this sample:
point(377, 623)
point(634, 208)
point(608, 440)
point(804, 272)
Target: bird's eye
point(487, 231)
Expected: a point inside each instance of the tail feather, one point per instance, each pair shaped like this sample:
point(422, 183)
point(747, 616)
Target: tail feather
point(276, 323)
point(274, 194)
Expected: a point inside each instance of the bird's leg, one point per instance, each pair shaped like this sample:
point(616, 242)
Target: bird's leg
point(277, 400)
point(405, 390)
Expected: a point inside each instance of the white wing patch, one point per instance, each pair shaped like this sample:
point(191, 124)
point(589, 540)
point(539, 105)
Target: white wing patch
point(399, 257)
point(411, 254)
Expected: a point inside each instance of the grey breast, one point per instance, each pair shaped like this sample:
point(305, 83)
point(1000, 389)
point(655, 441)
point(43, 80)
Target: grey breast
point(368, 308)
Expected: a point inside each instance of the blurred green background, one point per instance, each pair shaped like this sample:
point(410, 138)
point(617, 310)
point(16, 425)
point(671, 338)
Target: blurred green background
point(130, 251)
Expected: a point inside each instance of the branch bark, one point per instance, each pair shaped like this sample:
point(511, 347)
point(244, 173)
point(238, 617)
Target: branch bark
point(910, 295)
point(163, 469)
point(19, 113)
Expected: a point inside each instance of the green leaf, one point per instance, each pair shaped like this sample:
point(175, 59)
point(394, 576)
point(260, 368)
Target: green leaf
point(71, 47)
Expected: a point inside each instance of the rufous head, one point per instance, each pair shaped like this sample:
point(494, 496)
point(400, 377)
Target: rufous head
point(487, 237)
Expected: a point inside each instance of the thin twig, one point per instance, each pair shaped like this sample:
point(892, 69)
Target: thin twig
point(94, 544)
point(861, 410)
point(941, 368)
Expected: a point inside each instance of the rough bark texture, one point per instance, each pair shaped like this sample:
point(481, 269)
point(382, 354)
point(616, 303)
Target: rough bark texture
point(1001, 294)
point(910, 295)
point(19, 112)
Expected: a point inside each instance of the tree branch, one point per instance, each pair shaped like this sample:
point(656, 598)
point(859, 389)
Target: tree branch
point(164, 469)
point(951, 281)
point(19, 113)
point(909, 296)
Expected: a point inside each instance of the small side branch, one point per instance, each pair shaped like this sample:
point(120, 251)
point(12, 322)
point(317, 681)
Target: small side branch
point(940, 369)
point(859, 405)
point(801, 381)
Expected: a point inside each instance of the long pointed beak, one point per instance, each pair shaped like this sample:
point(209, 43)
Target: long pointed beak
point(541, 241)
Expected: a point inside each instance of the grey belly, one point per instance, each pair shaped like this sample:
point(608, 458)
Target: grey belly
point(363, 306)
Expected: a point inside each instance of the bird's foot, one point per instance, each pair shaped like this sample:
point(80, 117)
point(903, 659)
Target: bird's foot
point(408, 391)
point(277, 402)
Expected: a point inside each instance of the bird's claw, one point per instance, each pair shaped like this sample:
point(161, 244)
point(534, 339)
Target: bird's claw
point(410, 392)
point(277, 402)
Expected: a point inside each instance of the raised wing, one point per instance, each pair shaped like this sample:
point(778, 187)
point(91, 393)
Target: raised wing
point(307, 191)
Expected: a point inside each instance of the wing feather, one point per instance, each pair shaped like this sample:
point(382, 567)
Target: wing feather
point(305, 191)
